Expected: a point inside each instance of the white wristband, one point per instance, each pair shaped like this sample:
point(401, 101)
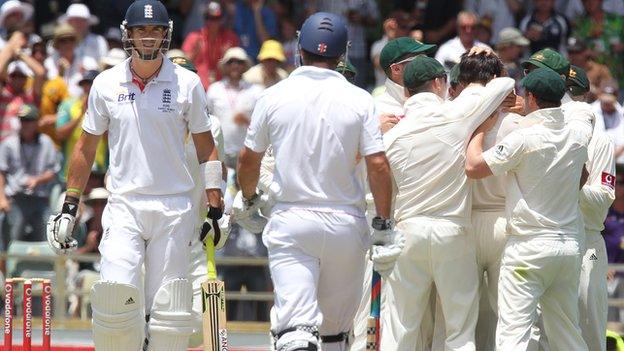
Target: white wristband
point(213, 174)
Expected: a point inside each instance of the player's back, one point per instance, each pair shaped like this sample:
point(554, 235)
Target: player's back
point(318, 123)
point(543, 188)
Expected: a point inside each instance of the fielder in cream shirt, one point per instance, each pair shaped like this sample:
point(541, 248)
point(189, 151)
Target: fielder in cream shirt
point(432, 204)
point(541, 260)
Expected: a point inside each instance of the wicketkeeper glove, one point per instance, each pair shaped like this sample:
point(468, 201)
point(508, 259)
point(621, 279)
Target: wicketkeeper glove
point(216, 227)
point(247, 212)
point(386, 248)
point(60, 228)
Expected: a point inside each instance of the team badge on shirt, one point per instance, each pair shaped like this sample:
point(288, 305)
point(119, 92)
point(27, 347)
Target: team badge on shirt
point(608, 180)
point(166, 102)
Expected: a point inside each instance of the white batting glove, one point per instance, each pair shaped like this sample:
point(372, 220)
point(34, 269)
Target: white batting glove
point(247, 212)
point(387, 245)
point(216, 227)
point(60, 228)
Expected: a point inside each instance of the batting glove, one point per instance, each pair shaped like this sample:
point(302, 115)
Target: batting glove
point(247, 212)
point(216, 227)
point(60, 228)
point(387, 245)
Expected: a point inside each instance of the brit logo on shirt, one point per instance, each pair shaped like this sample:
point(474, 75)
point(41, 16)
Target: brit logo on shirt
point(166, 96)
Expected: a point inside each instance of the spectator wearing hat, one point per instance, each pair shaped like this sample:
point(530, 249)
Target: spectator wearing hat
point(450, 52)
point(66, 61)
point(610, 119)
point(90, 44)
point(598, 74)
point(254, 23)
point(113, 57)
point(510, 48)
point(395, 26)
point(13, 96)
point(113, 38)
point(501, 13)
point(207, 46)
point(269, 70)
point(604, 34)
point(545, 27)
point(13, 16)
point(28, 165)
point(69, 119)
point(483, 30)
point(232, 100)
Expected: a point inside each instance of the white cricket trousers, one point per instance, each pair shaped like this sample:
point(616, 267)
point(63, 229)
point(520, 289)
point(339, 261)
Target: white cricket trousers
point(541, 270)
point(150, 229)
point(316, 259)
point(441, 253)
point(593, 292)
point(489, 234)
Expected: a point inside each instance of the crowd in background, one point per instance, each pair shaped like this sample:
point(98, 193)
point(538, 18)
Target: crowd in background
point(51, 51)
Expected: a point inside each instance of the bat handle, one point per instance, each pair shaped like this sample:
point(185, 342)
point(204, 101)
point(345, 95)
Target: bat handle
point(210, 260)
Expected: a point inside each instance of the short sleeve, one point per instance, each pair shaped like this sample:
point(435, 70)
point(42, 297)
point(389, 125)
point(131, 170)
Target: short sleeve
point(371, 141)
point(197, 113)
point(257, 138)
point(97, 117)
point(505, 155)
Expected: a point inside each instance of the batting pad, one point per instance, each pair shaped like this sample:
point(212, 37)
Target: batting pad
point(118, 321)
point(171, 319)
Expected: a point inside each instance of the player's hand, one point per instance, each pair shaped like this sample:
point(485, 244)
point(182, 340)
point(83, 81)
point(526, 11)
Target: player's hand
point(481, 50)
point(387, 121)
point(60, 228)
point(386, 249)
point(216, 227)
point(488, 124)
point(246, 212)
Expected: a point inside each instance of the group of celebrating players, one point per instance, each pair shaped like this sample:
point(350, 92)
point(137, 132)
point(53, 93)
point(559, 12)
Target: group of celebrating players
point(475, 195)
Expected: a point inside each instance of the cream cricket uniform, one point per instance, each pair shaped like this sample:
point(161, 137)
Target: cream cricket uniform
point(596, 197)
point(390, 101)
point(426, 151)
point(541, 260)
point(149, 217)
point(488, 234)
point(317, 234)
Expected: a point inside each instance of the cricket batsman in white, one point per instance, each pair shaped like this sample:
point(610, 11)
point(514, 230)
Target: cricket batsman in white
point(147, 105)
point(317, 235)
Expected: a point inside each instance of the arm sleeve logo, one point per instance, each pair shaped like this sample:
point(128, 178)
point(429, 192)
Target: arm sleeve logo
point(608, 180)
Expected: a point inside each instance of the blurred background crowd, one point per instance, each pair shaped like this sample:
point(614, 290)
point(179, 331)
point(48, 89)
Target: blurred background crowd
point(50, 52)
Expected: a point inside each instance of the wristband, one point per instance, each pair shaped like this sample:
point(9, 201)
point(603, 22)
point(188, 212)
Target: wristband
point(74, 191)
point(213, 174)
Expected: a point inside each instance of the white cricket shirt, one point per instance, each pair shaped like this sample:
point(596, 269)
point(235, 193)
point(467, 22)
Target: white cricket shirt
point(317, 122)
point(543, 164)
point(392, 100)
point(147, 129)
point(225, 101)
point(427, 151)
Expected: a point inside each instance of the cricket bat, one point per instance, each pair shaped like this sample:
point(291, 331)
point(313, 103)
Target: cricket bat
point(213, 306)
point(372, 323)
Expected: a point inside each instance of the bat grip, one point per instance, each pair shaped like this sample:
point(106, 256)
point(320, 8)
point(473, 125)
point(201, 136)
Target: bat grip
point(210, 260)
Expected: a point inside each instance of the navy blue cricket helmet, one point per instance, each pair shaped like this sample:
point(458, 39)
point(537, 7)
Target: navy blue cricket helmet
point(146, 13)
point(324, 34)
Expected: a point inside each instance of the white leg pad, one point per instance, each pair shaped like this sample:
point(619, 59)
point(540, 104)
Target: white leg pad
point(171, 319)
point(118, 320)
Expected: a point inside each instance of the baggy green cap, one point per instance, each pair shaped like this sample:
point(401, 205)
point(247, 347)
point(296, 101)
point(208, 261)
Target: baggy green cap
point(395, 49)
point(545, 84)
point(421, 70)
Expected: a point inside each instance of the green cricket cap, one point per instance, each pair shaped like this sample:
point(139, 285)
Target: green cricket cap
point(346, 67)
point(28, 112)
point(421, 70)
point(545, 84)
point(548, 58)
point(184, 62)
point(397, 48)
point(577, 82)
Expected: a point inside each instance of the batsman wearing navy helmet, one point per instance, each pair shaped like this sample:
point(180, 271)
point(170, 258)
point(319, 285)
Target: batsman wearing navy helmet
point(319, 126)
point(147, 105)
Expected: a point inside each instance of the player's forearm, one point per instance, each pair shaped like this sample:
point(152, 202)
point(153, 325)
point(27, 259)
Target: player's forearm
point(597, 196)
point(205, 147)
point(380, 182)
point(248, 171)
point(80, 163)
point(476, 167)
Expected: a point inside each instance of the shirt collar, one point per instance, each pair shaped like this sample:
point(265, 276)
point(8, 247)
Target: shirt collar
point(549, 116)
point(423, 100)
point(566, 98)
point(316, 72)
point(165, 75)
point(395, 90)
